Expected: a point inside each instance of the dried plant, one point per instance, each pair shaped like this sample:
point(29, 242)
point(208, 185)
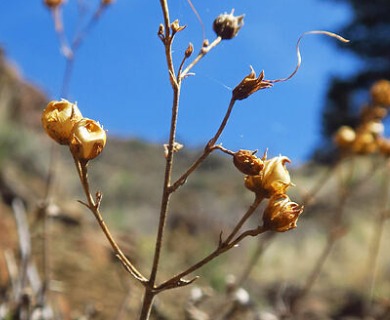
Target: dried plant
point(267, 178)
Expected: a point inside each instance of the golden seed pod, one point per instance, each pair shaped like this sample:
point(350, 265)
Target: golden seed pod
point(59, 118)
point(274, 178)
point(376, 128)
point(365, 143)
point(372, 113)
point(88, 139)
point(247, 162)
point(380, 93)
point(227, 25)
point(53, 3)
point(281, 214)
point(344, 137)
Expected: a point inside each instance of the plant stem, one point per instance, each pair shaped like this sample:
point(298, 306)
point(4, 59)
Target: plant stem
point(93, 206)
point(166, 187)
point(147, 304)
point(223, 246)
point(201, 54)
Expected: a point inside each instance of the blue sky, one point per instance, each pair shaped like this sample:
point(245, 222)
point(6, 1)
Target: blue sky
point(121, 80)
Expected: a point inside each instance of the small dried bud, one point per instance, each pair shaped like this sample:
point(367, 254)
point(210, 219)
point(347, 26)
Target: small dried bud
point(161, 31)
point(273, 178)
point(380, 93)
point(88, 139)
point(281, 214)
point(344, 137)
point(107, 2)
point(53, 3)
point(176, 27)
point(176, 148)
point(227, 26)
point(247, 162)
point(189, 50)
point(249, 85)
point(59, 118)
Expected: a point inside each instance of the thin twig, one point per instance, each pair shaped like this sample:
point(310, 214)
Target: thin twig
point(200, 55)
point(223, 246)
point(93, 206)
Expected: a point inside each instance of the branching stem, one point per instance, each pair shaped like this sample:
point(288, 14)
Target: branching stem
point(93, 206)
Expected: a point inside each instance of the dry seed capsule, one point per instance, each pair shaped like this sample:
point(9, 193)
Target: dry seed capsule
point(227, 26)
point(247, 162)
point(380, 93)
point(88, 139)
point(344, 137)
point(59, 118)
point(281, 214)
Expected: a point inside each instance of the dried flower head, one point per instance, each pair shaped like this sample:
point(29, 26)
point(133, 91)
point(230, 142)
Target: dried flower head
point(53, 3)
point(247, 162)
point(281, 214)
point(88, 139)
point(344, 137)
point(59, 118)
point(380, 93)
point(176, 27)
point(274, 178)
point(227, 25)
point(249, 85)
point(107, 2)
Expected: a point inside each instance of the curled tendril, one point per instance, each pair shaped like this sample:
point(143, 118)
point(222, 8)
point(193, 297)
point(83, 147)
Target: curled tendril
point(299, 58)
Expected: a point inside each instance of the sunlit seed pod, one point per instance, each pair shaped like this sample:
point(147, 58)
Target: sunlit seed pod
point(374, 127)
point(281, 214)
point(365, 143)
point(227, 25)
point(53, 3)
point(344, 137)
point(59, 118)
point(274, 178)
point(88, 139)
point(247, 162)
point(380, 93)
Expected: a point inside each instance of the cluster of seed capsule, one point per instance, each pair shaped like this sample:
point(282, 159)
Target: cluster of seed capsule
point(63, 122)
point(368, 137)
point(269, 178)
